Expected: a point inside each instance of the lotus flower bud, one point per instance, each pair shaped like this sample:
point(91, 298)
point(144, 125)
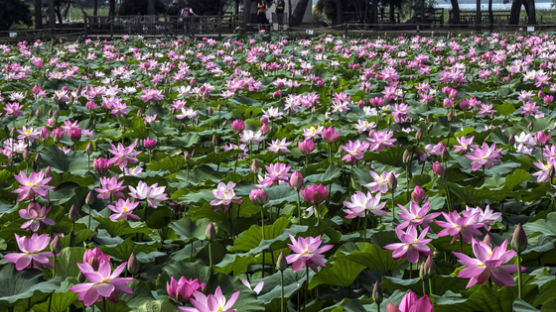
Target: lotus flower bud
point(406, 158)
point(542, 138)
point(378, 296)
point(519, 239)
point(438, 169)
point(45, 133)
point(132, 264)
point(296, 181)
point(47, 171)
point(255, 166)
point(89, 148)
point(37, 157)
point(530, 126)
point(511, 138)
point(427, 268)
point(210, 232)
point(139, 112)
point(281, 263)
point(186, 156)
point(219, 107)
point(73, 214)
point(392, 181)
point(51, 122)
point(487, 240)
point(418, 134)
point(238, 125)
point(90, 199)
point(258, 196)
point(12, 132)
point(418, 195)
point(214, 140)
point(25, 153)
point(265, 128)
point(149, 143)
point(450, 116)
point(306, 146)
point(210, 110)
point(56, 244)
point(56, 114)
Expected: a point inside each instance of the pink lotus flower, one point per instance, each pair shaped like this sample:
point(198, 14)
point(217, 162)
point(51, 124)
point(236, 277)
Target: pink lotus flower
point(103, 283)
point(486, 156)
point(123, 209)
point(296, 181)
point(257, 289)
point(212, 303)
point(152, 194)
point(225, 196)
point(411, 245)
point(110, 188)
point(380, 183)
point(276, 173)
point(123, 155)
point(34, 184)
point(31, 254)
point(306, 146)
point(238, 125)
point(410, 303)
point(36, 215)
point(94, 257)
point(484, 217)
point(545, 170)
point(314, 194)
point(464, 227)
point(183, 289)
point(381, 140)
point(307, 253)
point(416, 216)
point(101, 164)
point(361, 204)
point(279, 146)
point(463, 144)
point(149, 143)
point(355, 150)
point(488, 263)
point(330, 135)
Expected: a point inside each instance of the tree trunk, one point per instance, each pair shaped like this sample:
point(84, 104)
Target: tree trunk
point(455, 12)
point(112, 12)
point(38, 14)
point(531, 14)
point(392, 12)
point(150, 7)
point(366, 14)
point(490, 15)
point(58, 11)
point(374, 12)
point(299, 12)
point(289, 12)
point(51, 15)
point(339, 12)
point(478, 13)
point(95, 8)
point(514, 14)
point(422, 11)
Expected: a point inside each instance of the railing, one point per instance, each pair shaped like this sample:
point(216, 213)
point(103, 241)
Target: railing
point(470, 17)
point(161, 25)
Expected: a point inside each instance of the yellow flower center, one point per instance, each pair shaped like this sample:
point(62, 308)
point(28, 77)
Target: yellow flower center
point(31, 184)
point(306, 252)
point(124, 208)
point(27, 132)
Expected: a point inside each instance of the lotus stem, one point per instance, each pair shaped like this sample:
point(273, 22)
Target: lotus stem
point(262, 221)
point(282, 307)
point(210, 254)
point(519, 277)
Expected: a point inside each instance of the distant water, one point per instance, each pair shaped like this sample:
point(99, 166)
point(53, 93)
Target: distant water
point(496, 4)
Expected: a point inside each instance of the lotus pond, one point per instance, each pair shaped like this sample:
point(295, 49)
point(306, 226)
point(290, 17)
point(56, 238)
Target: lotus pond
point(273, 174)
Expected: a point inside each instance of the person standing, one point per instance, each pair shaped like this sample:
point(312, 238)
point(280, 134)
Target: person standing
point(280, 6)
point(261, 13)
point(186, 14)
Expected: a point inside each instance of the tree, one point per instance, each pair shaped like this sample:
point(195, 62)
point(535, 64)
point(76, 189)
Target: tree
point(529, 9)
point(14, 11)
point(38, 14)
point(455, 12)
point(299, 12)
point(478, 13)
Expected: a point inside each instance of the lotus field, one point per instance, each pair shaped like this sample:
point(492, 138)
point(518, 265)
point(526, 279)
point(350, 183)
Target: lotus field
point(267, 174)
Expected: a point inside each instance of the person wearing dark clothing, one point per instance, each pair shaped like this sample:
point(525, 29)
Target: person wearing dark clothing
point(186, 14)
point(261, 13)
point(280, 6)
point(174, 9)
